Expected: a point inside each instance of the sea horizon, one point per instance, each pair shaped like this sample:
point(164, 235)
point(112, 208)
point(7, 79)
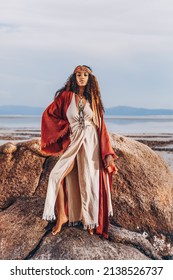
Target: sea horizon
point(105, 116)
point(114, 123)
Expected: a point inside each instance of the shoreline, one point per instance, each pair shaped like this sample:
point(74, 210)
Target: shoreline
point(161, 143)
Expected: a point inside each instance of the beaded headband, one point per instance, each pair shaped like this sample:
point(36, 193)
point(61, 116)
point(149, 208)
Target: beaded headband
point(80, 68)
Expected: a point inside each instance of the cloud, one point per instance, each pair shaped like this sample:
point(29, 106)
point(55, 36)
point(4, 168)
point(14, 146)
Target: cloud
point(115, 26)
point(129, 44)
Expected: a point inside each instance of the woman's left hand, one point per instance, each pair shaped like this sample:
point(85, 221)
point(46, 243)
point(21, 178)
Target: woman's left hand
point(108, 161)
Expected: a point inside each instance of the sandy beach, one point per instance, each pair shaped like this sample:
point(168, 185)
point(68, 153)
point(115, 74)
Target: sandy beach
point(161, 143)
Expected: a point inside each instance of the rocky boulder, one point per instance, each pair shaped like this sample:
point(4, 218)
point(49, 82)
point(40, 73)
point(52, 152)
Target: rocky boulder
point(142, 199)
point(21, 228)
point(142, 190)
point(24, 235)
point(20, 170)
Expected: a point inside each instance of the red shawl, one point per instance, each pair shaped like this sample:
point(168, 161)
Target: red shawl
point(55, 132)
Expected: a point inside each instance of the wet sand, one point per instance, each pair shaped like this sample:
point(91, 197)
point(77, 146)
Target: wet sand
point(161, 143)
point(18, 135)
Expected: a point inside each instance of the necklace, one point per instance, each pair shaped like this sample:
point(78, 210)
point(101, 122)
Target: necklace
point(81, 96)
point(81, 111)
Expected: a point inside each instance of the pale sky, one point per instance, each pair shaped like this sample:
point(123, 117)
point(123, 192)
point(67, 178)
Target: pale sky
point(127, 43)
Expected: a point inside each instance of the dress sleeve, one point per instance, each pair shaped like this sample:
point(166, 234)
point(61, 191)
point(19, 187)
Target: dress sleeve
point(54, 127)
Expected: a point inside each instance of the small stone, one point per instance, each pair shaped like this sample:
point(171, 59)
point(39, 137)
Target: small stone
point(8, 148)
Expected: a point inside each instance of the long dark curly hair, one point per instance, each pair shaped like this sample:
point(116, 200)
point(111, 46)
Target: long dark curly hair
point(92, 88)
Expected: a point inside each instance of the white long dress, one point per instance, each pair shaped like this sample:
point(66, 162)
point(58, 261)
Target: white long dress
point(83, 181)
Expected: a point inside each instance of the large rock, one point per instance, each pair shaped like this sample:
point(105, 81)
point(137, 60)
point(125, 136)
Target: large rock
point(24, 235)
point(21, 228)
point(142, 199)
point(20, 171)
point(77, 244)
point(142, 190)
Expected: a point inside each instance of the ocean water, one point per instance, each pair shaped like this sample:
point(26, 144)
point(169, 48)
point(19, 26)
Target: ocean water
point(117, 124)
point(140, 124)
point(20, 122)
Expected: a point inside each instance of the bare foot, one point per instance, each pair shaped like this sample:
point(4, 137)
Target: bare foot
point(60, 221)
point(91, 231)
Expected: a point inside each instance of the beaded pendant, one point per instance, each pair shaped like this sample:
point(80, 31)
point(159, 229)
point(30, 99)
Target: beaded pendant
point(81, 113)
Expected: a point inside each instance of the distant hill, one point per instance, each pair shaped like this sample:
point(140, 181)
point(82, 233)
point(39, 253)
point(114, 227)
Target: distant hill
point(115, 111)
point(20, 110)
point(132, 111)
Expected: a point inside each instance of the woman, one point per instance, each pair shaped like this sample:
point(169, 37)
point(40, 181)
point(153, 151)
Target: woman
point(73, 128)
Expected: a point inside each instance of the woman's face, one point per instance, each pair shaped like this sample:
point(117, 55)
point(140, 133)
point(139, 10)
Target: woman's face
point(82, 78)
